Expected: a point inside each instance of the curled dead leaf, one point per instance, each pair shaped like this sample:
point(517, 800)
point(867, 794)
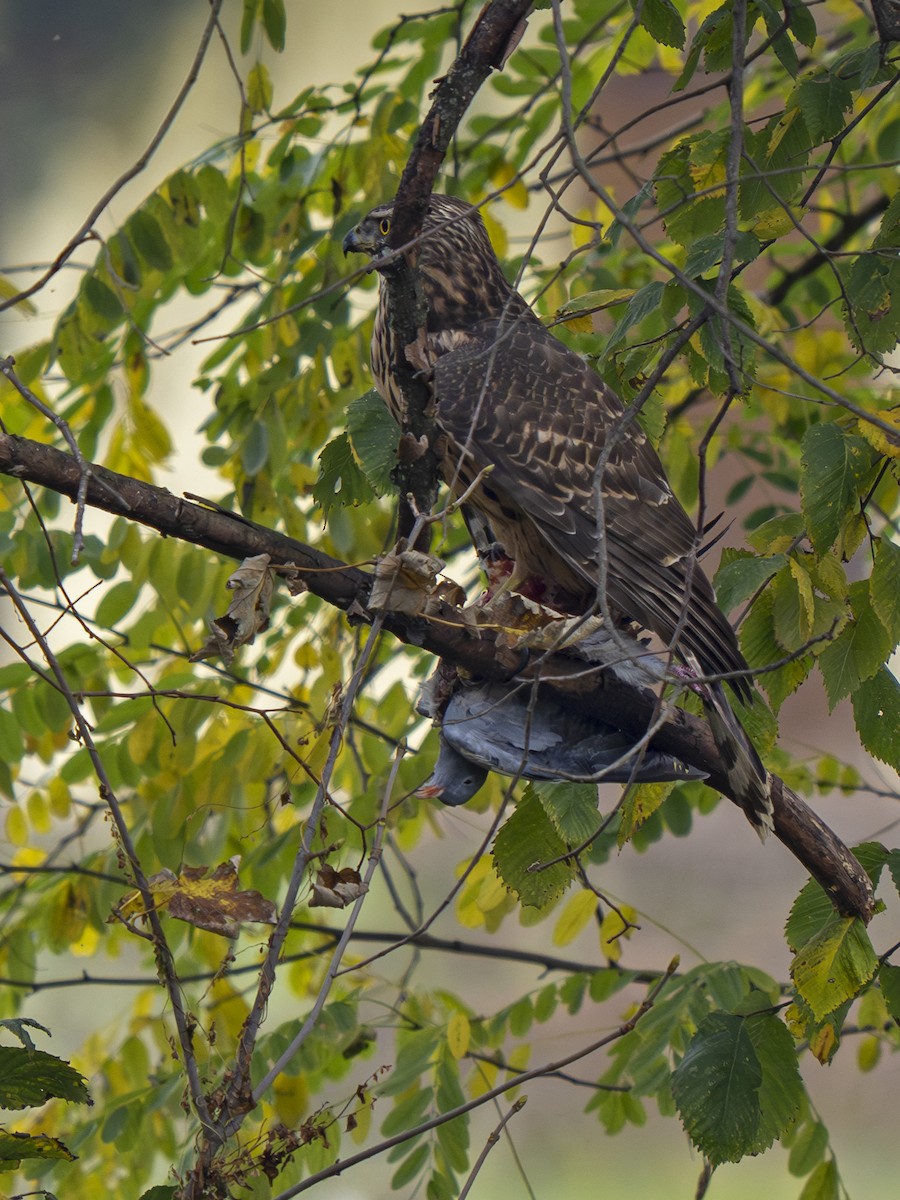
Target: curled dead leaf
point(403, 581)
point(248, 613)
point(207, 900)
point(336, 889)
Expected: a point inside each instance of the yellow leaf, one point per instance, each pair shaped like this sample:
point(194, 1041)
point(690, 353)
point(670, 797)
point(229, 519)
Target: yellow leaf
point(823, 1043)
point(16, 826)
point(868, 1053)
point(507, 179)
point(885, 443)
point(86, 946)
point(493, 892)
point(60, 797)
point(458, 1034)
point(577, 912)
point(641, 803)
point(614, 928)
point(38, 813)
point(483, 1079)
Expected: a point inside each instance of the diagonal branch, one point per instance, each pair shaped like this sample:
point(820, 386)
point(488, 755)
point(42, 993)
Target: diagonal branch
point(486, 48)
point(444, 632)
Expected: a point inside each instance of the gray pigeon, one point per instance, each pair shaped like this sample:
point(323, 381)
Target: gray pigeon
point(492, 727)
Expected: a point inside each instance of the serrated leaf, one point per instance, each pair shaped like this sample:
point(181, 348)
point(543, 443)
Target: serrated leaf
point(823, 98)
point(889, 978)
point(858, 650)
point(715, 1088)
point(737, 579)
point(876, 712)
point(17, 1146)
point(572, 807)
point(340, 481)
point(373, 435)
point(662, 21)
point(640, 804)
point(834, 965)
point(832, 465)
point(884, 587)
point(31, 1077)
point(527, 841)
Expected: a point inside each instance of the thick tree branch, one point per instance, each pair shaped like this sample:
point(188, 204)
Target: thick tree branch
point(443, 633)
point(486, 48)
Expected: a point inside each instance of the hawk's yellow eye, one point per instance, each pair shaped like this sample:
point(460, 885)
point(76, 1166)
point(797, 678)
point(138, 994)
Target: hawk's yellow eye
point(385, 226)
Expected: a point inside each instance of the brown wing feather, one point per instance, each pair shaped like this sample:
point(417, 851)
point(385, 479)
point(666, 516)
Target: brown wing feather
point(519, 400)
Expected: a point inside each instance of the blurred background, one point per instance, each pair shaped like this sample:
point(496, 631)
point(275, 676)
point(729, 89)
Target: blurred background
point(84, 89)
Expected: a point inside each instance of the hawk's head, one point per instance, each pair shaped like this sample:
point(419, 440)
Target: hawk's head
point(461, 276)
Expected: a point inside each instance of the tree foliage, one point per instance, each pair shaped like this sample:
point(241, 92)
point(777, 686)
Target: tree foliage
point(174, 810)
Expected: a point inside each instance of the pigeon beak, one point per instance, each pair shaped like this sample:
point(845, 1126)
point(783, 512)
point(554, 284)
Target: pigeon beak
point(430, 791)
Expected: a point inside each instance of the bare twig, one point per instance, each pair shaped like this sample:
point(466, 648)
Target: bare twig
point(165, 961)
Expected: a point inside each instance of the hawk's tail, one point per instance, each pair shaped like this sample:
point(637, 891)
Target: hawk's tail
point(743, 767)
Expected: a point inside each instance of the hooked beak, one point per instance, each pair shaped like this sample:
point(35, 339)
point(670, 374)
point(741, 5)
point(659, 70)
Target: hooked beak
point(351, 244)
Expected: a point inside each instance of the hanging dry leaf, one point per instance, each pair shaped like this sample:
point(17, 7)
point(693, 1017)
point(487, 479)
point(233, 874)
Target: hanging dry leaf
point(403, 581)
point(206, 900)
point(248, 613)
point(336, 889)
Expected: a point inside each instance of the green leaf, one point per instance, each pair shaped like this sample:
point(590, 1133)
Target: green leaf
point(411, 1166)
point(715, 1088)
point(832, 467)
point(640, 804)
point(876, 712)
point(823, 98)
point(884, 587)
point(526, 841)
point(255, 448)
point(117, 601)
point(30, 1077)
point(275, 23)
point(834, 965)
point(16, 1146)
point(810, 914)
point(781, 1092)
point(872, 286)
point(739, 577)
point(662, 21)
point(889, 978)
point(147, 236)
point(858, 651)
point(572, 807)
point(340, 480)
point(808, 1148)
point(823, 1184)
point(102, 299)
point(373, 436)
point(259, 88)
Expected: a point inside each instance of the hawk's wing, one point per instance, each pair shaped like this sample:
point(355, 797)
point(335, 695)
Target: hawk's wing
point(519, 400)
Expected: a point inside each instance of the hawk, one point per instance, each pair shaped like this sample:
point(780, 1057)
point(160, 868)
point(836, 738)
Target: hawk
point(576, 494)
